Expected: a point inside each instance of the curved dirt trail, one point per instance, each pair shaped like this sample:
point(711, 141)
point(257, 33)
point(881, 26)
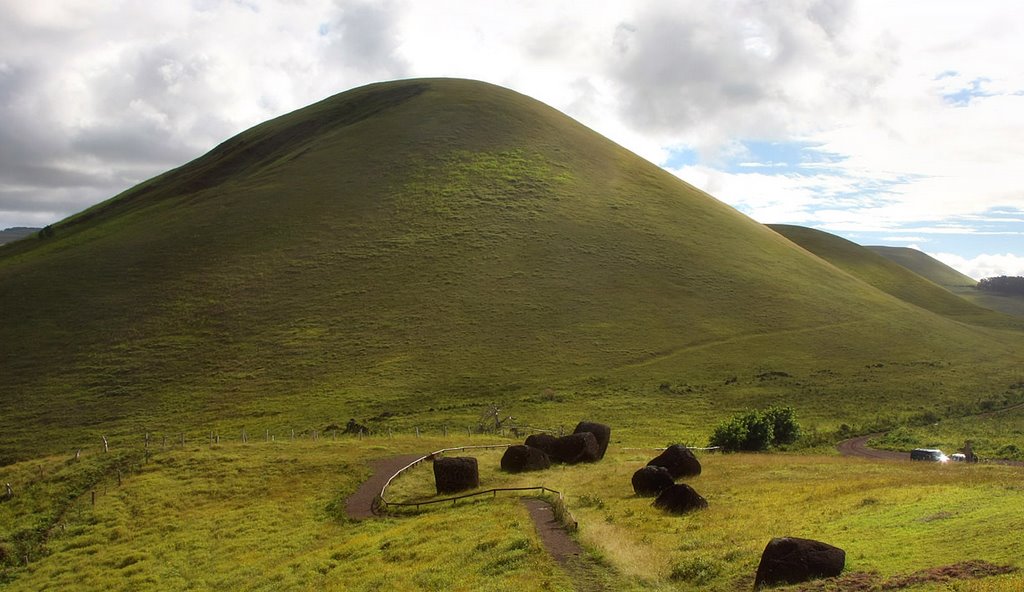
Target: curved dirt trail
point(859, 447)
point(359, 505)
point(563, 548)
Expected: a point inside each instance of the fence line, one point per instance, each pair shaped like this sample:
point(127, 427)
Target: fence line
point(707, 448)
point(380, 503)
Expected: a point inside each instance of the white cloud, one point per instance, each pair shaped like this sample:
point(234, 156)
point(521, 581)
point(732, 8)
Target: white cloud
point(984, 265)
point(89, 106)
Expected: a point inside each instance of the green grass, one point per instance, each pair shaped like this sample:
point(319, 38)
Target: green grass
point(406, 253)
point(265, 516)
point(897, 276)
point(925, 266)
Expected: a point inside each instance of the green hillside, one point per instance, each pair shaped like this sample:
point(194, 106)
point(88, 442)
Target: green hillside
point(951, 279)
point(892, 278)
point(405, 252)
point(925, 266)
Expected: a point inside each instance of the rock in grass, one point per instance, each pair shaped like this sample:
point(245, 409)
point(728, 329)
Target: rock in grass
point(602, 434)
point(680, 499)
point(545, 442)
point(521, 458)
point(651, 480)
point(679, 460)
point(455, 474)
point(575, 448)
point(789, 560)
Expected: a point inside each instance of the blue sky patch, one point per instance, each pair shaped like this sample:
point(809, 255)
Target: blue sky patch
point(964, 96)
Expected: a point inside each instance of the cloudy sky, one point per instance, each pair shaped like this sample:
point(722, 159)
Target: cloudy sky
point(898, 123)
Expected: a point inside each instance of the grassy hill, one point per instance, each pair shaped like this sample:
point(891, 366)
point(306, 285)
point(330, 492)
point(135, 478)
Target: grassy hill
point(893, 278)
point(19, 232)
point(406, 252)
point(925, 266)
point(951, 279)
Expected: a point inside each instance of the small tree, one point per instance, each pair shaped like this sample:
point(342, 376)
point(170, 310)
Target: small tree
point(785, 428)
point(757, 430)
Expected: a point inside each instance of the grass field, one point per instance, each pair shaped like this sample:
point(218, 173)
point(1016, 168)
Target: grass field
point(266, 516)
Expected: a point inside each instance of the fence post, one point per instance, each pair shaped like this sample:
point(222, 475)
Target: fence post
point(78, 454)
point(183, 438)
point(106, 448)
point(417, 432)
point(147, 440)
point(93, 497)
point(268, 434)
point(293, 434)
point(10, 491)
point(445, 431)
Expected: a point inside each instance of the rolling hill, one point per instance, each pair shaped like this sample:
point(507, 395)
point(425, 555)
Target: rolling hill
point(952, 280)
point(407, 251)
point(925, 266)
point(18, 232)
point(895, 278)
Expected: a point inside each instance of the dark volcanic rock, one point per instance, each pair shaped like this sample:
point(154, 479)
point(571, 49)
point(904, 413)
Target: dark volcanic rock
point(601, 432)
point(790, 560)
point(680, 499)
point(679, 460)
point(575, 448)
point(520, 458)
point(651, 480)
point(545, 442)
point(455, 474)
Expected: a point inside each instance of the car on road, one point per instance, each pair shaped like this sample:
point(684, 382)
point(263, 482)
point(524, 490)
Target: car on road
point(928, 454)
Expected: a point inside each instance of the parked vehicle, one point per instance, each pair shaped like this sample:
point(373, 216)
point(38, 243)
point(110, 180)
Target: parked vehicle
point(958, 457)
point(928, 454)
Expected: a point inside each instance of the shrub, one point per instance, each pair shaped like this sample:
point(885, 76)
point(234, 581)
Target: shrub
point(757, 430)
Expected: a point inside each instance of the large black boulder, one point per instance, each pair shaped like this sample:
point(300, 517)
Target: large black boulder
point(601, 432)
point(455, 474)
point(679, 460)
point(575, 448)
point(651, 480)
point(521, 458)
point(545, 442)
point(789, 560)
point(680, 499)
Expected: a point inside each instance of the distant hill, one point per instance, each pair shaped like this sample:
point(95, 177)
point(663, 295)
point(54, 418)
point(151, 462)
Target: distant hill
point(18, 232)
point(952, 280)
point(925, 266)
point(894, 278)
point(409, 251)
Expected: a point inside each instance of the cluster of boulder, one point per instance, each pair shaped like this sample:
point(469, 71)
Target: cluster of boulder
point(587, 443)
point(786, 560)
point(658, 479)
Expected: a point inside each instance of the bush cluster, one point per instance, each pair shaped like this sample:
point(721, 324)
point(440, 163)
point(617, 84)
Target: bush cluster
point(757, 430)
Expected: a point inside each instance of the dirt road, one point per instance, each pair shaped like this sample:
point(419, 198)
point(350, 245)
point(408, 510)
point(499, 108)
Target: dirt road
point(859, 447)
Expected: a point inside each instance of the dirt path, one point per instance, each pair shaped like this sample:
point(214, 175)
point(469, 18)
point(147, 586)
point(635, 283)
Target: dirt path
point(359, 505)
point(562, 547)
point(859, 447)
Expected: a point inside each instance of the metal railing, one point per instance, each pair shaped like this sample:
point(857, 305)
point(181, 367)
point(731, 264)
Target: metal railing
point(381, 504)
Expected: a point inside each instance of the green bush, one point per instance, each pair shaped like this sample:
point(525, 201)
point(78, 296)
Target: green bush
point(757, 430)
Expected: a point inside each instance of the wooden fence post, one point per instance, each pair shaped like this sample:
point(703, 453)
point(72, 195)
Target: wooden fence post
point(106, 448)
point(10, 491)
point(78, 454)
